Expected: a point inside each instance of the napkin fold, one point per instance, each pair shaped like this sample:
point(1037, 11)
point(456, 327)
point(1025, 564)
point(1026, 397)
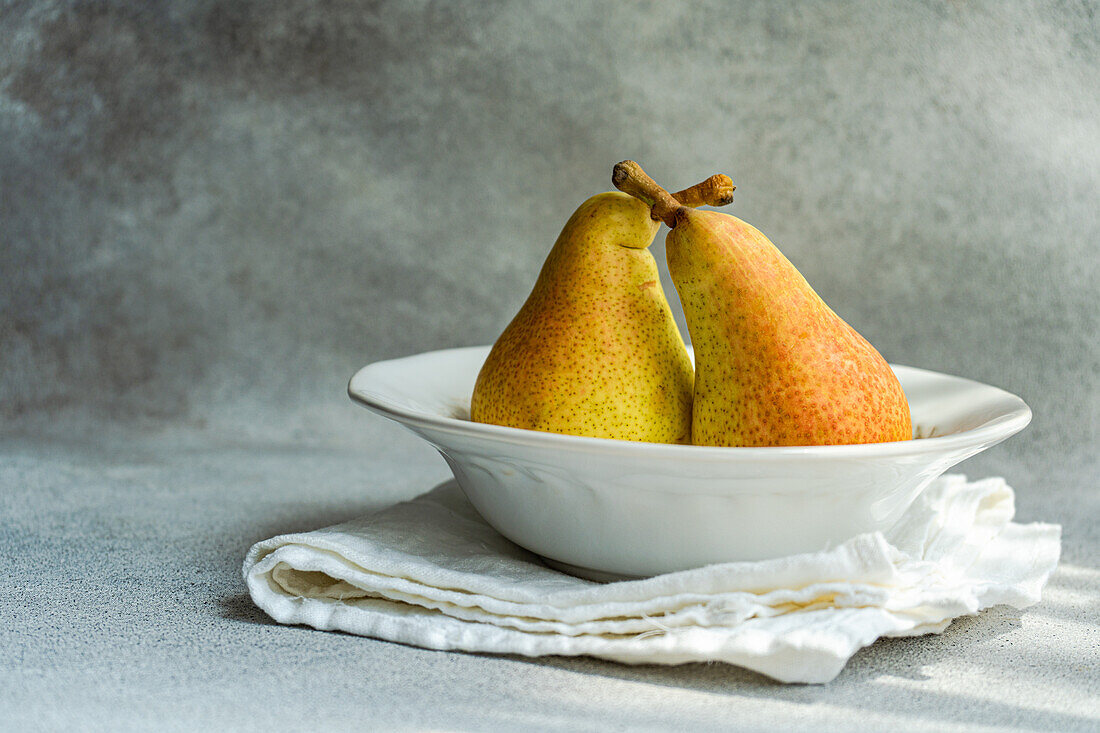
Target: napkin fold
point(430, 572)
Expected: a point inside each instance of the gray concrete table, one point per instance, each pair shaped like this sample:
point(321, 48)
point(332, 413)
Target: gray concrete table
point(124, 609)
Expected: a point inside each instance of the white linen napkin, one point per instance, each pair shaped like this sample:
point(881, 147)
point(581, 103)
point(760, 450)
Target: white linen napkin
point(430, 572)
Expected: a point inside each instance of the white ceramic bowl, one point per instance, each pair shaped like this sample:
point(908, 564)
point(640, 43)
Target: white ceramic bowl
point(607, 508)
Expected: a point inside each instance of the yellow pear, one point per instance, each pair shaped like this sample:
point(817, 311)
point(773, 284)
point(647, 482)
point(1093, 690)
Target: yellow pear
point(774, 364)
point(594, 350)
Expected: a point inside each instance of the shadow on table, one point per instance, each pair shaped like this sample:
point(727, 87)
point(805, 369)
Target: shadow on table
point(899, 658)
point(884, 678)
point(240, 607)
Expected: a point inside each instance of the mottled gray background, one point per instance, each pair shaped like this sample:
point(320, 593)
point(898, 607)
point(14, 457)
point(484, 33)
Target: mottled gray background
point(213, 213)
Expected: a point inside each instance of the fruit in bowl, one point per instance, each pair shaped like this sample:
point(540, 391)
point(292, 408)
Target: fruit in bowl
point(595, 352)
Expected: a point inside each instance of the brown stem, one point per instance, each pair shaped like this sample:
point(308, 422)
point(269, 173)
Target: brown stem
point(629, 178)
point(715, 191)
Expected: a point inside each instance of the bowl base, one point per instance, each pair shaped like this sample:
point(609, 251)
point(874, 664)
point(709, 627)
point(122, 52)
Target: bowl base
point(600, 576)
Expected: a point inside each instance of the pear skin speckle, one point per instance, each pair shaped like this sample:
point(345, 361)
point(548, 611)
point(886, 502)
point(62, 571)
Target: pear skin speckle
point(774, 364)
point(594, 351)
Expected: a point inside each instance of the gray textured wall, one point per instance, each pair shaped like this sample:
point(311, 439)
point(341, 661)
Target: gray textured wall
point(212, 213)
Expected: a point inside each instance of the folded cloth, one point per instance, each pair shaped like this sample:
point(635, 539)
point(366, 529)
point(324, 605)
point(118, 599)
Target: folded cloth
point(430, 572)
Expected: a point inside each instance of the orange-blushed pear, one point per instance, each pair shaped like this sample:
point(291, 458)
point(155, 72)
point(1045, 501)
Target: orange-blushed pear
point(774, 365)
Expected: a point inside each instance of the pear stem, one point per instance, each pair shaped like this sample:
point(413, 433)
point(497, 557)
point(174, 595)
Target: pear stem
point(629, 178)
point(715, 191)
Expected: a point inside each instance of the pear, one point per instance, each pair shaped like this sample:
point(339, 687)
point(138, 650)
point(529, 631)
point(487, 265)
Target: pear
point(774, 365)
point(594, 350)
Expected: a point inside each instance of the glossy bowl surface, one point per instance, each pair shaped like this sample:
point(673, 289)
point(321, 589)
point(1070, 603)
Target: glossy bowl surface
point(609, 508)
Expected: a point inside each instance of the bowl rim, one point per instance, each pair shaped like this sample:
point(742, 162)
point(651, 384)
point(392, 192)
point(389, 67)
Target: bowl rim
point(994, 430)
